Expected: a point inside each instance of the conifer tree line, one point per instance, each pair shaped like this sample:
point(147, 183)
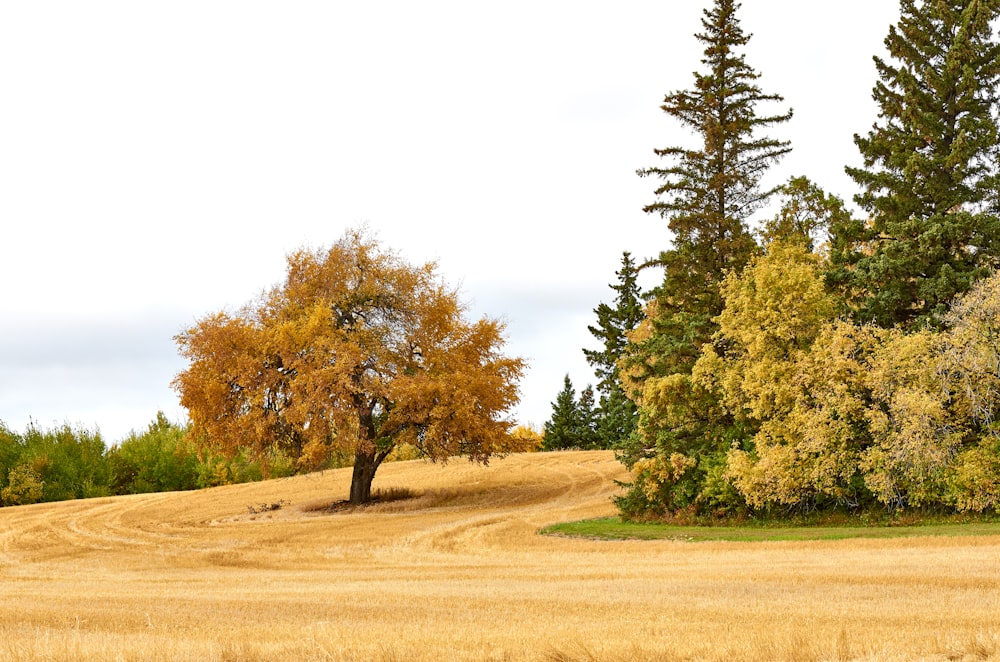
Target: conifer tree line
point(818, 359)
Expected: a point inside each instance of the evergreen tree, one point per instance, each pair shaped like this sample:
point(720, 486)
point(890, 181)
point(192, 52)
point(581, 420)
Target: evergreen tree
point(930, 178)
point(617, 420)
point(616, 414)
point(587, 419)
point(563, 429)
point(707, 195)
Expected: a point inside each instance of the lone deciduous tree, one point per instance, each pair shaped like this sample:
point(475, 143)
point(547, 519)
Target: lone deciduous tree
point(356, 351)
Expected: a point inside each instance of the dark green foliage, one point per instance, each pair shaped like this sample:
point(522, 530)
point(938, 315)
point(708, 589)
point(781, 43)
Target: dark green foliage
point(930, 179)
point(561, 431)
point(708, 194)
point(73, 463)
point(613, 323)
point(65, 462)
point(245, 467)
point(589, 416)
point(573, 423)
point(635, 505)
point(617, 419)
point(808, 216)
point(616, 414)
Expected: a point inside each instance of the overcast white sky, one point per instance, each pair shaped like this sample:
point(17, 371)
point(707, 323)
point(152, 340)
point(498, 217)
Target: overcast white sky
point(158, 160)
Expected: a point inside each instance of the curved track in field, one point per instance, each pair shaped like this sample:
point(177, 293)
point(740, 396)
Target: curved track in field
point(457, 507)
point(457, 571)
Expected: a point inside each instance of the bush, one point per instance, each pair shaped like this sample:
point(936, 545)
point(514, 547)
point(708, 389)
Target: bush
point(216, 469)
point(70, 462)
point(161, 459)
point(24, 486)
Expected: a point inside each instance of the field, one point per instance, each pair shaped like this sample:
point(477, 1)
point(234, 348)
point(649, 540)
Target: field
point(458, 572)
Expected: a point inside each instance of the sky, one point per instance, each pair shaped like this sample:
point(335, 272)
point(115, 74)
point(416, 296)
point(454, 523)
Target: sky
point(159, 160)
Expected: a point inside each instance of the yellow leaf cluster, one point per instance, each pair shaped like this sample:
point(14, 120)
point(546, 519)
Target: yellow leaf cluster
point(774, 310)
point(634, 372)
point(805, 407)
point(899, 410)
point(914, 435)
point(526, 438)
point(357, 350)
point(651, 474)
point(777, 346)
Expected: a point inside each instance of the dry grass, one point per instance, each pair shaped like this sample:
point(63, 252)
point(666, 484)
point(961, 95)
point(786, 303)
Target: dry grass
point(454, 570)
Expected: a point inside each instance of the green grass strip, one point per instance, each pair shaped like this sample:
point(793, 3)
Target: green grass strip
point(613, 528)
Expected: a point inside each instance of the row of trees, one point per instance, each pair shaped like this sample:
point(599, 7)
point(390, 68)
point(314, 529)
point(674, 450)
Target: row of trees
point(74, 463)
point(817, 359)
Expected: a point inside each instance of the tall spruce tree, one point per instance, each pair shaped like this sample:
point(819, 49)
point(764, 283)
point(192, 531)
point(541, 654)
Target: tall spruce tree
point(708, 193)
point(616, 414)
point(930, 176)
point(588, 414)
point(563, 430)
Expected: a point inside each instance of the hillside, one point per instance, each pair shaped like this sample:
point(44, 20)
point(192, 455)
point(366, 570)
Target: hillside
point(458, 572)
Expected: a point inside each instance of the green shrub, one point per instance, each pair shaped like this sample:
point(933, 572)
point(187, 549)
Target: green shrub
point(69, 461)
point(24, 486)
point(161, 459)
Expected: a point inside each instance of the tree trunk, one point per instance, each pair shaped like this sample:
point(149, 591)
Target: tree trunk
point(367, 457)
point(365, 465)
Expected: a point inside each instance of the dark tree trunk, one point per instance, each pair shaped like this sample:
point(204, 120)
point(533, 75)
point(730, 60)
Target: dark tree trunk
point(367, 457)
point(365, 464)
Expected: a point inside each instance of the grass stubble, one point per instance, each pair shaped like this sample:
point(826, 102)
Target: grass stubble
point(457, 571)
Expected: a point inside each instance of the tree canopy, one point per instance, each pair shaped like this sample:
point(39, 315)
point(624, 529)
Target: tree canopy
point(842, 363)
point(356, 351)
point(707, 194)
point(573, 423)
point(810, 360)
point(930, 178)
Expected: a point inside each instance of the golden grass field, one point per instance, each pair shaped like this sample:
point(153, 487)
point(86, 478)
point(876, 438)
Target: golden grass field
point(459, 573)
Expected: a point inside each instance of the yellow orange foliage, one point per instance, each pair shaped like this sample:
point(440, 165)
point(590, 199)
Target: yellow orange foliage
point(774, 310)
point(914, 435)
point(356, 351)
point(527, 437)
point(909, 414)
